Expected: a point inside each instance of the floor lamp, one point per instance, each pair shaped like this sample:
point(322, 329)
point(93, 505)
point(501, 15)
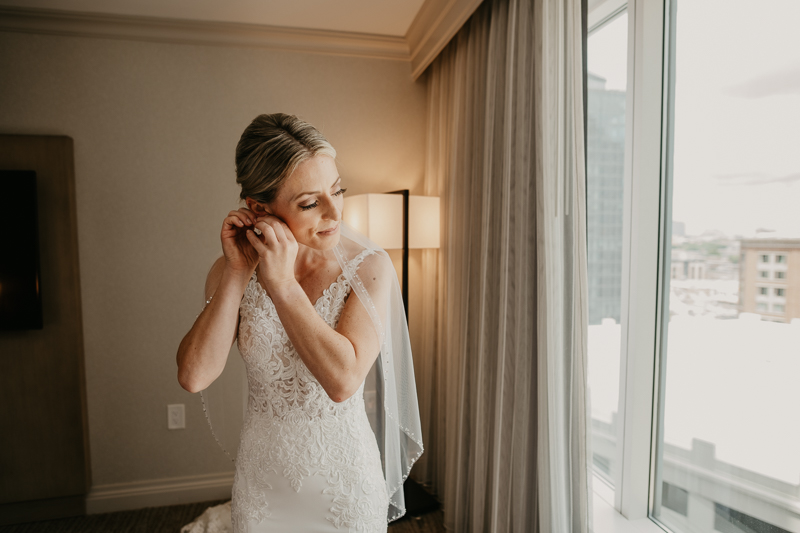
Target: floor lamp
point(396, 221)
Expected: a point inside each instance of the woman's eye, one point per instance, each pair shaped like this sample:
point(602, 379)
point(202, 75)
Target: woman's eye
point(316, 203)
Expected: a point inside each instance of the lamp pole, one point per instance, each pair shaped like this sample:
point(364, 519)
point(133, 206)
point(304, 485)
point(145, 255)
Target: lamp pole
point(404, 284)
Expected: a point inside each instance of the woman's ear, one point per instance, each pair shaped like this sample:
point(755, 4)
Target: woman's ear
point(256, 207)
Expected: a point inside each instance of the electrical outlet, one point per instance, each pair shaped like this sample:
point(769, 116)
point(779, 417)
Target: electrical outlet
point(176, 416)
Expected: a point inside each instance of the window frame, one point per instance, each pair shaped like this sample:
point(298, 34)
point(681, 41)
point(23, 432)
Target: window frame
point(646, 225)
point(645, 265)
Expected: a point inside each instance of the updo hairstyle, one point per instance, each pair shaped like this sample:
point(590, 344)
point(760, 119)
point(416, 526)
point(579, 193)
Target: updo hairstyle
point(270, 149)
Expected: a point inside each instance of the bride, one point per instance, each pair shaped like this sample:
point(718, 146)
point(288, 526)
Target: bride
point(310, 458)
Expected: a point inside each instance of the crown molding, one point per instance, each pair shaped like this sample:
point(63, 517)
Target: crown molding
point(435, 24)
point(136, 28)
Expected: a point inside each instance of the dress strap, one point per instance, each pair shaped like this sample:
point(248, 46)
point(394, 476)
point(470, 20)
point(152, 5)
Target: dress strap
point(357, 260)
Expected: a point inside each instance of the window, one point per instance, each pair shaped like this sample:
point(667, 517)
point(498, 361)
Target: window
point(675, 498)
point(715, 442)
point(605, 155)
point(728, 520)
point(701, 187)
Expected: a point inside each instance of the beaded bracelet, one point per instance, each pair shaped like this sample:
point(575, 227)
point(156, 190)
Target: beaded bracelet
point(204, 306)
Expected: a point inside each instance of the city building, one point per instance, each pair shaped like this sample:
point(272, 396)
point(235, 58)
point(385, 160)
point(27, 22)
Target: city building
point(712, 480)
point(687, 265)
point(605, 161)
point(769, 278)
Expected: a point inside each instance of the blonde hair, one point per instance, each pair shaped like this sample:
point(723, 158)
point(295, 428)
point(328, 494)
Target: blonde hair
point(270, 149)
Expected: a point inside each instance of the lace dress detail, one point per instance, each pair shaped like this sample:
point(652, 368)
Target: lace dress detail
point(293, 431)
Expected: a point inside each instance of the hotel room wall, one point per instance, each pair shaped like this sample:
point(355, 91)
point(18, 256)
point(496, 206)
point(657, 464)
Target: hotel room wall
point(154, 128)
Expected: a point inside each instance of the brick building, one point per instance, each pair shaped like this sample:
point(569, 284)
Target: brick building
point(769, 278)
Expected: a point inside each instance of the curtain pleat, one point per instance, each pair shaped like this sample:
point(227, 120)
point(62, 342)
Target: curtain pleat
point(502, 378)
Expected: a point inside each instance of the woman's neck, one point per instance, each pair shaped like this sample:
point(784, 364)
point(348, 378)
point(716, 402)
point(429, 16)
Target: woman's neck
point(310, 259)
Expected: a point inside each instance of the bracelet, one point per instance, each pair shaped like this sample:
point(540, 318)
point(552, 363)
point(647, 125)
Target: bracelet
point(204, 306)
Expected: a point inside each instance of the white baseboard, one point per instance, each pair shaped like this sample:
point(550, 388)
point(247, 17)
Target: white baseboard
point(158, 492)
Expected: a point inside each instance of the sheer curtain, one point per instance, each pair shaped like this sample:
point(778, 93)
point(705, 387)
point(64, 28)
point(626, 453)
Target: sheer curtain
point(503, 372)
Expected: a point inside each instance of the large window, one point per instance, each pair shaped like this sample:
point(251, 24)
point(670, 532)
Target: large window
point(702, 362)
point(605, 159)
point(729, 435)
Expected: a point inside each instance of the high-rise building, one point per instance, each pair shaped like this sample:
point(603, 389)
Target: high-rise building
point(769, 278)
point(605, 158)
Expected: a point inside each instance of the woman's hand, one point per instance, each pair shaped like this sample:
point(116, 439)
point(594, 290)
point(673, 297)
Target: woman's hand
point(277, 251)
point(240, 255)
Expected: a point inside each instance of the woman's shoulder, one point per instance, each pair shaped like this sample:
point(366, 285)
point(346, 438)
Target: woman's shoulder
point(356, 252)
point(359, 257)
point(374, 268)
point(356, 261)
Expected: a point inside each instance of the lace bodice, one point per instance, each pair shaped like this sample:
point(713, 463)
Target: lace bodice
point(278, 380)
point(293, 428)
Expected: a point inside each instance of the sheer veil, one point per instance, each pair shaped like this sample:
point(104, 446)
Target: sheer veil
point(390, 395)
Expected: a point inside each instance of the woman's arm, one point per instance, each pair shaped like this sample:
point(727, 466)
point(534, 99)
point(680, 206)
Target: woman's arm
point(204, 350)
point(340, 359)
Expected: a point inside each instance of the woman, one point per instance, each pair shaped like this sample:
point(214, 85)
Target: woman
point(308, 459)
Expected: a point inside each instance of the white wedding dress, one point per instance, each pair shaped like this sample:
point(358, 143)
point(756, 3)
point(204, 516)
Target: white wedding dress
point(305, 462)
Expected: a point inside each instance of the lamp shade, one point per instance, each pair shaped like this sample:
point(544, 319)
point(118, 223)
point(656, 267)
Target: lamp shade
point(423, 222)
point(378, 216)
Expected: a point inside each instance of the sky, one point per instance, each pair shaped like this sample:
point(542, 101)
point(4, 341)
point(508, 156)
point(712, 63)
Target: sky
point(737, 112)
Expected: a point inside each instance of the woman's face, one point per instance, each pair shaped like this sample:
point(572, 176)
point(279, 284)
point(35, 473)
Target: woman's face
point(310, 202)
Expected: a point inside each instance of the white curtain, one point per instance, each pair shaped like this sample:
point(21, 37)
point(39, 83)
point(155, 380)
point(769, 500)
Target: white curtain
point(502, 376)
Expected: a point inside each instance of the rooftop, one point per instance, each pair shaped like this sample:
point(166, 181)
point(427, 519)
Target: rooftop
point(732, 383)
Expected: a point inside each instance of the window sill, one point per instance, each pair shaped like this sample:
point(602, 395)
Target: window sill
point(606, 519)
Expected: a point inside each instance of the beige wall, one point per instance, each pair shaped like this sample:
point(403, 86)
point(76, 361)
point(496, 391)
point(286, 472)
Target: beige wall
point(155, 127)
